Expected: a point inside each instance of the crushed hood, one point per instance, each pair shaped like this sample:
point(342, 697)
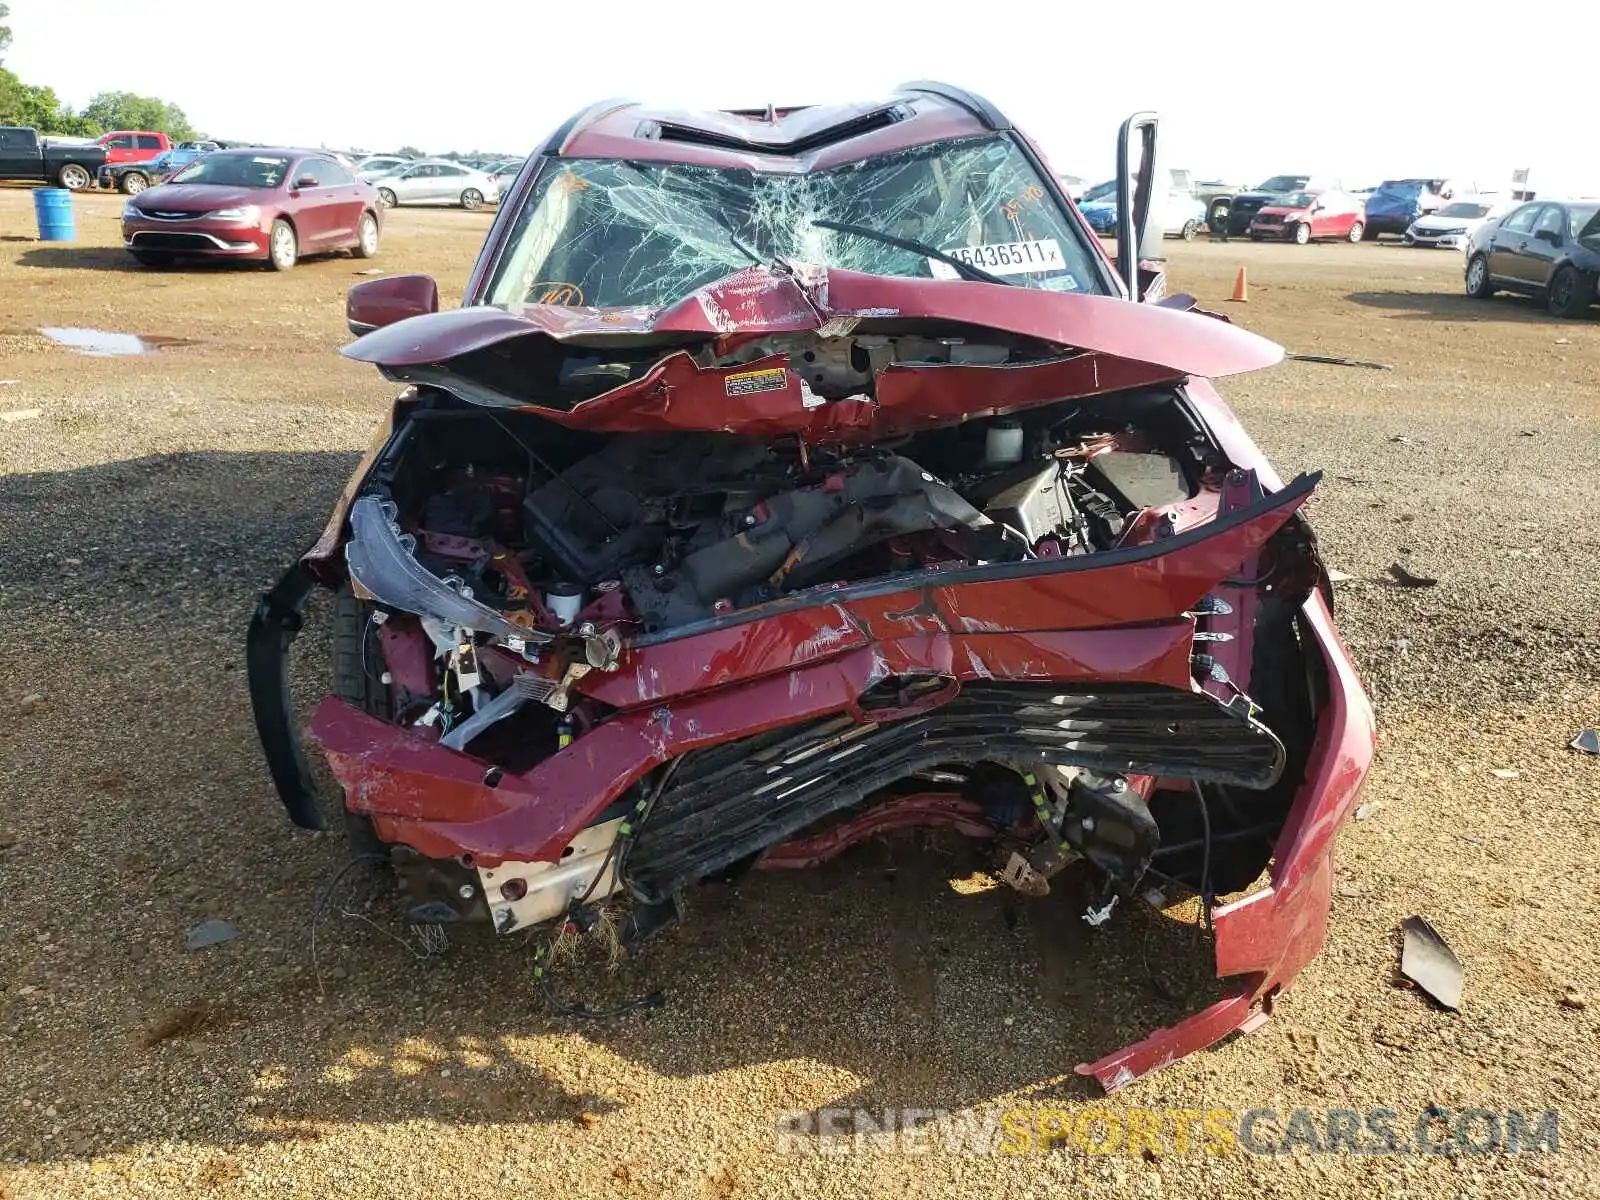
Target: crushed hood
point(1098, 344)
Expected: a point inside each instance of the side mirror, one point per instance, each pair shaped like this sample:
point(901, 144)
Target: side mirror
point(1548, 235)
point(1134, 196)
point(307, 181)
point(380, 302)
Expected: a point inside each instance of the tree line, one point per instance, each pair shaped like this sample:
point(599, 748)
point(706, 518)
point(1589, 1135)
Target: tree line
point(38, 106)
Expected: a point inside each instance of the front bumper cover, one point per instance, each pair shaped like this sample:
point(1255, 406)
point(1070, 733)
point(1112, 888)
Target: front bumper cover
point(818, 657)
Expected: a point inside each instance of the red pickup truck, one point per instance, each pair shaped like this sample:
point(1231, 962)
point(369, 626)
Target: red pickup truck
point(133, 145)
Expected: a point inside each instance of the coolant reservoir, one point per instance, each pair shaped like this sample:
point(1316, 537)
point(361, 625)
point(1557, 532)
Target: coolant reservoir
point(1003, 442)
point(565, 601)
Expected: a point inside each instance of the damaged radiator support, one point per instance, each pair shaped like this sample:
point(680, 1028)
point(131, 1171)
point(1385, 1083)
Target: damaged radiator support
point(734, 800)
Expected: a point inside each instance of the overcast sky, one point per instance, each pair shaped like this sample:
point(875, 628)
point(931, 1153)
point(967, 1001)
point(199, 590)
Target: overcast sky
point(1356, 89)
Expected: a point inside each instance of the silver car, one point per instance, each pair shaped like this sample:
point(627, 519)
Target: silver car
point(378, 165)
point(437, 181)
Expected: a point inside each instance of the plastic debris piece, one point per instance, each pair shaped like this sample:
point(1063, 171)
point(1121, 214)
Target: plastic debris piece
point(210, 933)
point(1428, 962)
point(1369, 809)
point(1588, 740)
point(1506, 773)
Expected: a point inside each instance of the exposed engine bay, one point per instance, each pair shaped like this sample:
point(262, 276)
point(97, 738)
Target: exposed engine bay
point(509, 560)
point(549, 527)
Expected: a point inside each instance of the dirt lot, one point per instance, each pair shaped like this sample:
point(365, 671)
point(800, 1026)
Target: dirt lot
point(154, 495)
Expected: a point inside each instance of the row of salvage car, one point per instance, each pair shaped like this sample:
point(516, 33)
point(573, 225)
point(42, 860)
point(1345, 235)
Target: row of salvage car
point(789, 478)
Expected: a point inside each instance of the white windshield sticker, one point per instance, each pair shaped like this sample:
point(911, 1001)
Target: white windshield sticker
point(1003, 258)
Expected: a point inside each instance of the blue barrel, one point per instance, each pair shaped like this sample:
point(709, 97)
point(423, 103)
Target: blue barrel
point(53, 207)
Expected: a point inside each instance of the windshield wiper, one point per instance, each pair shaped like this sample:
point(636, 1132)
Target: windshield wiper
point(964, 269)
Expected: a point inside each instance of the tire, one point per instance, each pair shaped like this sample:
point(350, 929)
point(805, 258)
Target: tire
point(152, 258)
point(387, 198)
point(1302, 233)
point(1368, 234)
point(283, 247)
point(472, 199)
point(358, 668)
point(1190, 228)
point(1479, 285)
point(74, 177)
point(1358, 232)
point(133, 182)
point(1217, 217)
point(1570, 293)
point(366, 236)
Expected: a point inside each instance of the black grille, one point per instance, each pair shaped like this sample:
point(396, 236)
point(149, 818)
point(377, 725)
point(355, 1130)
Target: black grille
point(1240, 213)
point(1269, 219)
point(173, 241)
point(730, 801)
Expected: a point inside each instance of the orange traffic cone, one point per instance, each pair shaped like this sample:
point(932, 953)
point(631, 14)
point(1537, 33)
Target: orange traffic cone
point(1241, 289)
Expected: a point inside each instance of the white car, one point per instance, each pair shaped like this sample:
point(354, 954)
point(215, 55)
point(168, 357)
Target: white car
point(437, 181)
point(1073, 185)
point(1451, 228)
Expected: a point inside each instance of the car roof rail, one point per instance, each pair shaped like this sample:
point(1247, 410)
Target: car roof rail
point(973, 103)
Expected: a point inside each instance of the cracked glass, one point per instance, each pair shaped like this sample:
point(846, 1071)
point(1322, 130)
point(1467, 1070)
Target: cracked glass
point(613, 232)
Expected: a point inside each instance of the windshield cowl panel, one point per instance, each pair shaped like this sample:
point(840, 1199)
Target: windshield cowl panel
point(678, 395)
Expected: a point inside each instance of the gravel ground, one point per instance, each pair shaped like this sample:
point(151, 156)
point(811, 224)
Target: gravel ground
point(153, 496)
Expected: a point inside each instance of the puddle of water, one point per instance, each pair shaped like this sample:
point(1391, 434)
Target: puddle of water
point(102, 343)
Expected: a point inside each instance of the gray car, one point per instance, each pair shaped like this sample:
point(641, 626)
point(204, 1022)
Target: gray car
point(437, 181)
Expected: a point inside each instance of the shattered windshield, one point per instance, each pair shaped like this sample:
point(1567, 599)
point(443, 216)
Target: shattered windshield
point(611, 232)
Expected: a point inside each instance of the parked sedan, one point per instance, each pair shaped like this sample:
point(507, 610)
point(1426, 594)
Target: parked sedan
point(1302, 217)
point(275, 205)
point(1452, 227)
point(379, 165)
point(1180, 215)
point(1544, 248)
point(437, 181)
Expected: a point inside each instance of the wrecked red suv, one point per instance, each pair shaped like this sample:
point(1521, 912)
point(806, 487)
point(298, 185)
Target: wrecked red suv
point(794, 476)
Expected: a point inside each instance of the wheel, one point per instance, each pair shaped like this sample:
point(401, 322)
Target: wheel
point(73, 177)
point(1357, 231)
point(1479, 286)
point(1190, 228)
point(1369, 234)
point(133, 182)
point(1570, 292)
point(472, 199)
point(1217, 217)
point(1302, 233)
point(358, 669)
point(367, 236)
point(387, 198)
point(283, 248)
point(152, 258)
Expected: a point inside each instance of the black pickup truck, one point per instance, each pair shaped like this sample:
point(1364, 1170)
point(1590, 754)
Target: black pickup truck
point(26, 155)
